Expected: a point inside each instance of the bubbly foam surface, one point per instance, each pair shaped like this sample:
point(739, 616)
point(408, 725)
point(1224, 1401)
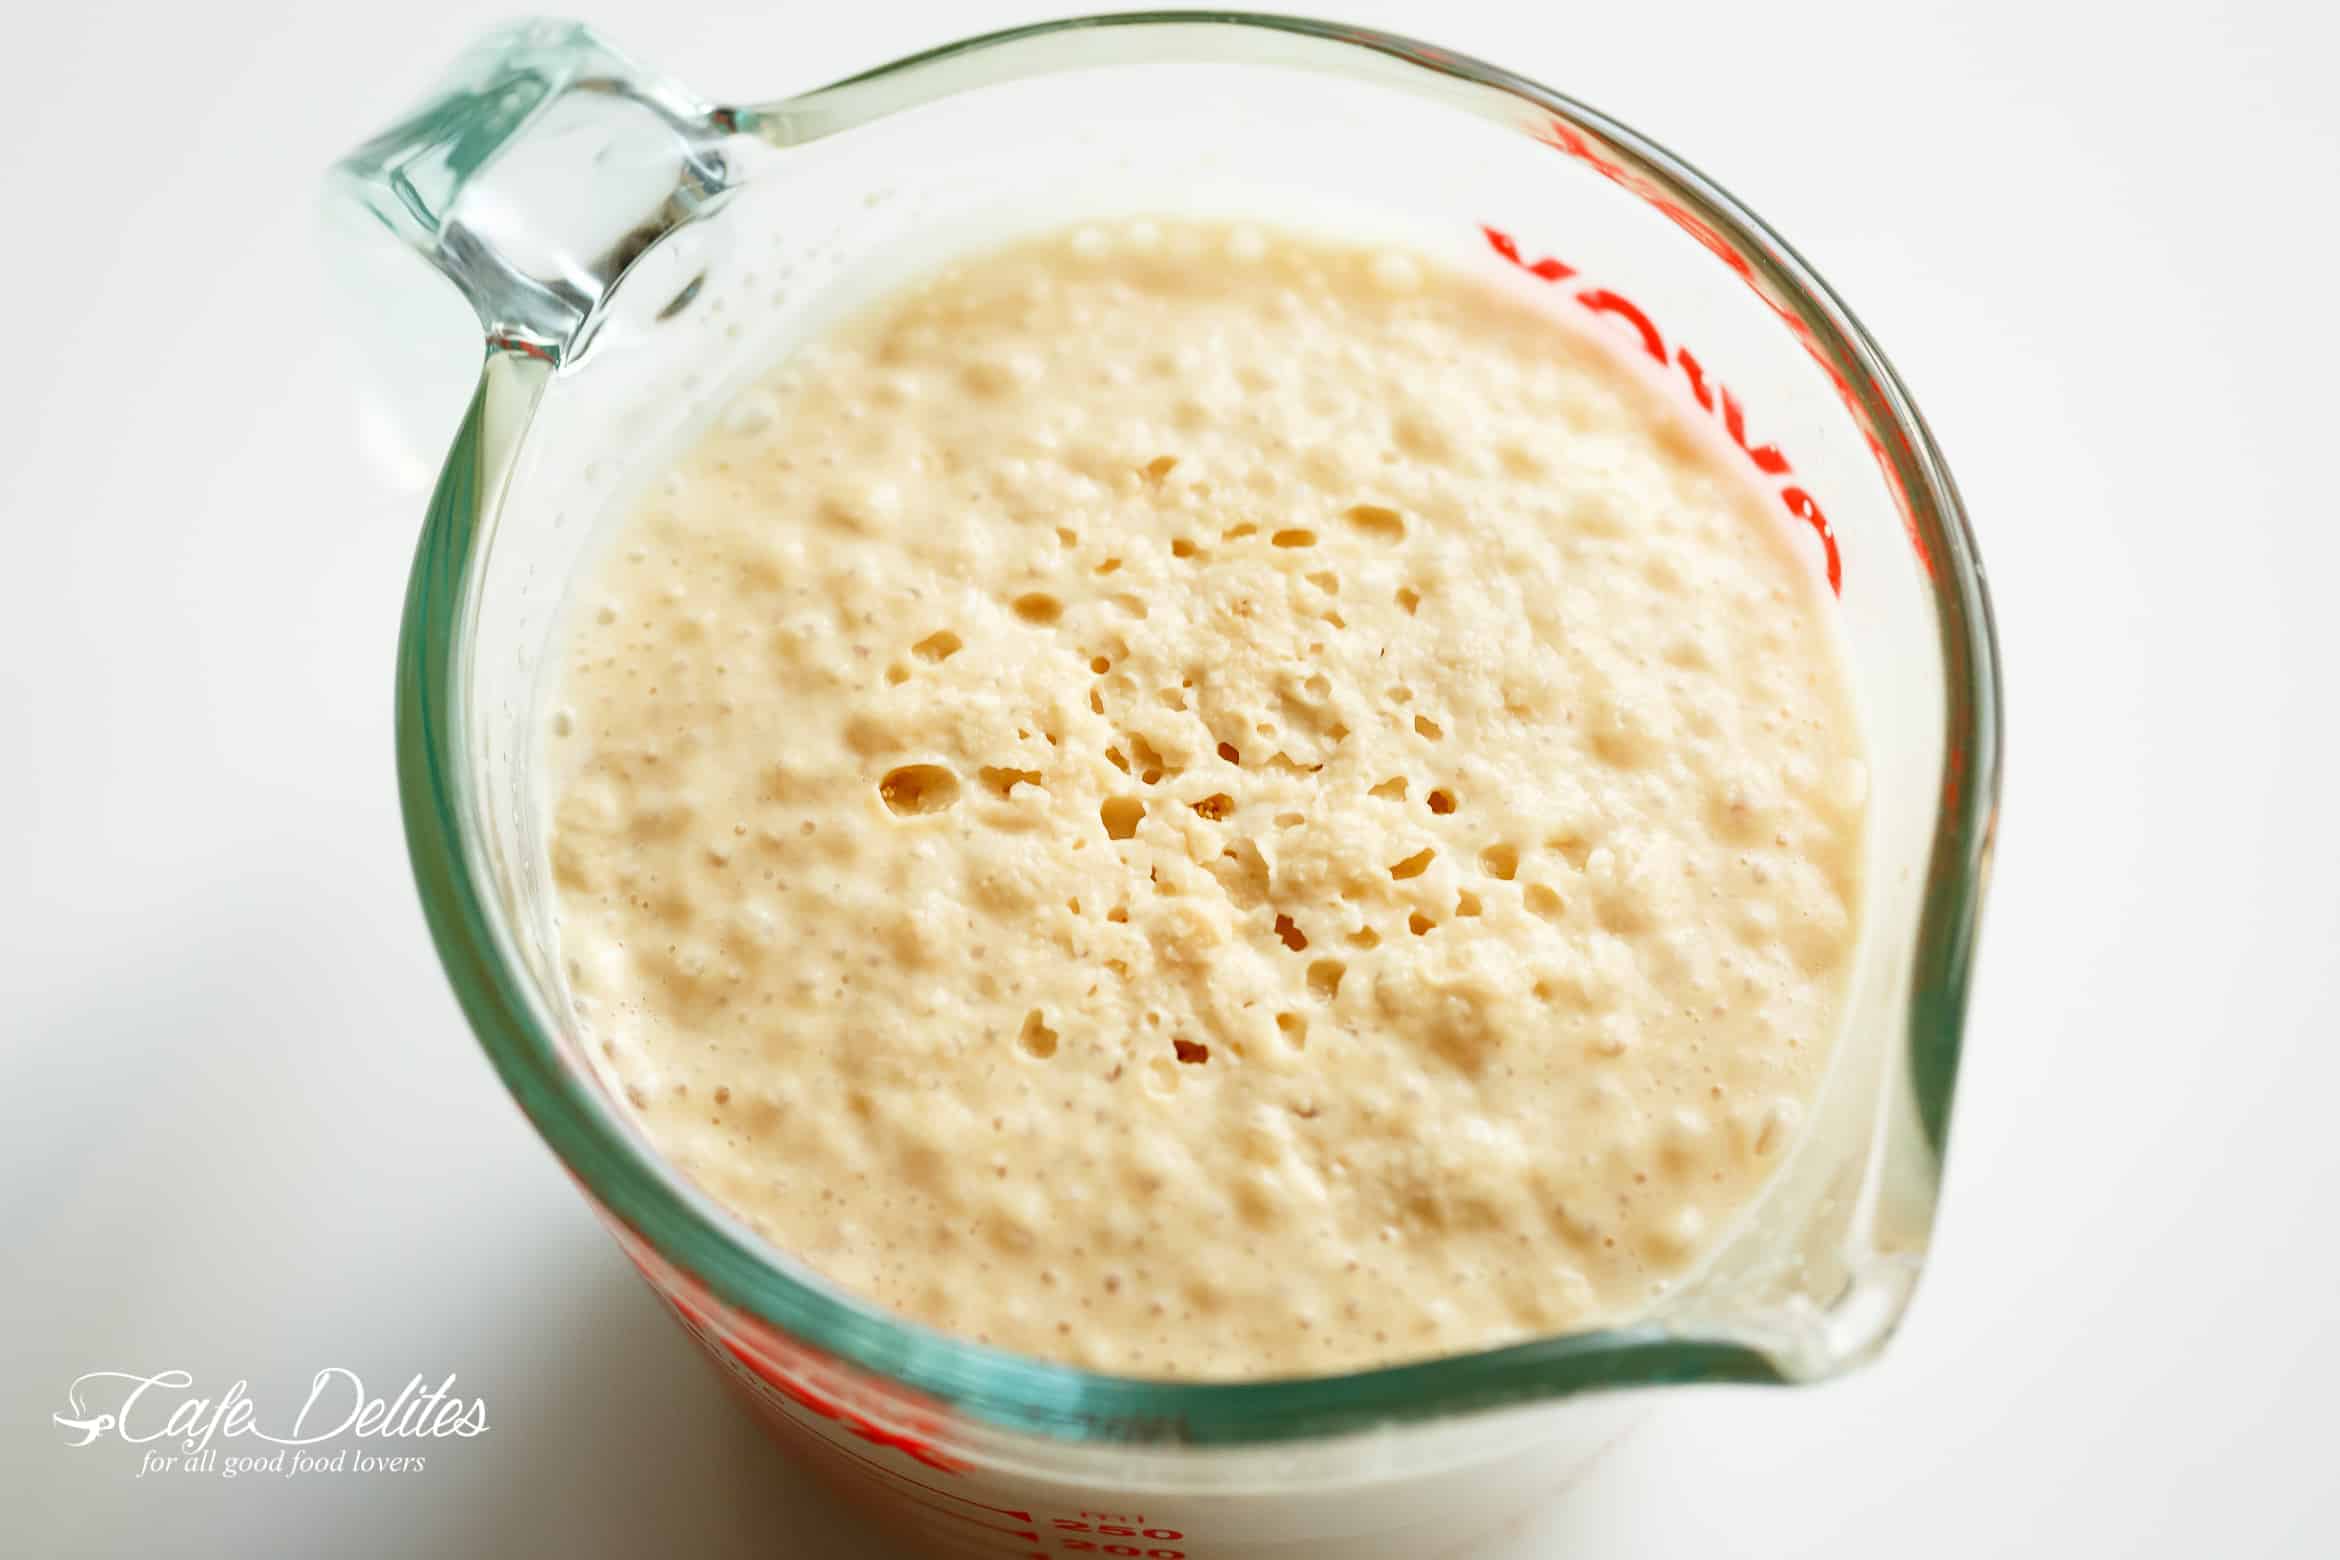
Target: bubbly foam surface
point(1203, 803)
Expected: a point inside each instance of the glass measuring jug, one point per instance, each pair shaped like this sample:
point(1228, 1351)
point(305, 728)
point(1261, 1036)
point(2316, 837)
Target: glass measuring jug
point(634, 253)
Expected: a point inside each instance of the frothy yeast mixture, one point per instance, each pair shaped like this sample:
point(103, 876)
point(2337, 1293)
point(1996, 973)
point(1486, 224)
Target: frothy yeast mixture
point(1206, 803)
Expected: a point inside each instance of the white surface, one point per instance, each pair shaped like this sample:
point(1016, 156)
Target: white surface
point(244, 1132)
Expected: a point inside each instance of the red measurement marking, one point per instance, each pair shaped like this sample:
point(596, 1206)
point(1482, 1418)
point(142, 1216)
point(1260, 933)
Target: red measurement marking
point(854, 1462)
point(1104, 1529)
point(1766, 458)
point(1566, 139)
point(837, 1413)
point(1602, 301)
point(697, 1310)
point(917, 1509)
point(875, 1466)
point(1547, 268)
point(507, 342)
point(674, 1287)
point(1028, 1535)
point(1802, 505)
point(1697, 377)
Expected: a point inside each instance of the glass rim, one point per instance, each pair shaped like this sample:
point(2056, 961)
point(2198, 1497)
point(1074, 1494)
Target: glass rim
point(1017, 1392)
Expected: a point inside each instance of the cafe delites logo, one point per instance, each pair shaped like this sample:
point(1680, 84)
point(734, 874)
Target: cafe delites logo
point(338, 1428)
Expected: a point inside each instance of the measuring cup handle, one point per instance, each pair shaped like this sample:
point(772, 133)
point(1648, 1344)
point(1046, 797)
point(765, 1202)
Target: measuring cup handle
point(545, 165)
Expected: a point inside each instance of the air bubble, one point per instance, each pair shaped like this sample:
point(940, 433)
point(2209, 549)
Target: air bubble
point(1500, 861)
point(1428, 727)
point(1002, 781)
point(1039, 608)
point(1441, 802)
point(940, 645)
point(1294, 938)
point(1413, 866)
point(916, 789)
point(1382, 524)
point(1324, 977)
point(1121, 816)
point(1036, 1038)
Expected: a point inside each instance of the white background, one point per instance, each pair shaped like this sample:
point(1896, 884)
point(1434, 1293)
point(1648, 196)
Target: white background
point(244, 1132)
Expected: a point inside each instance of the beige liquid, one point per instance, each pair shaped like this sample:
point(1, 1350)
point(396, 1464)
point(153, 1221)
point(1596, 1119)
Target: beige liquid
point(1209, 804)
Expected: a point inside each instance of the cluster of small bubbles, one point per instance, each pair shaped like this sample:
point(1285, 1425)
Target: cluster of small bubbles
point(1075, 759)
